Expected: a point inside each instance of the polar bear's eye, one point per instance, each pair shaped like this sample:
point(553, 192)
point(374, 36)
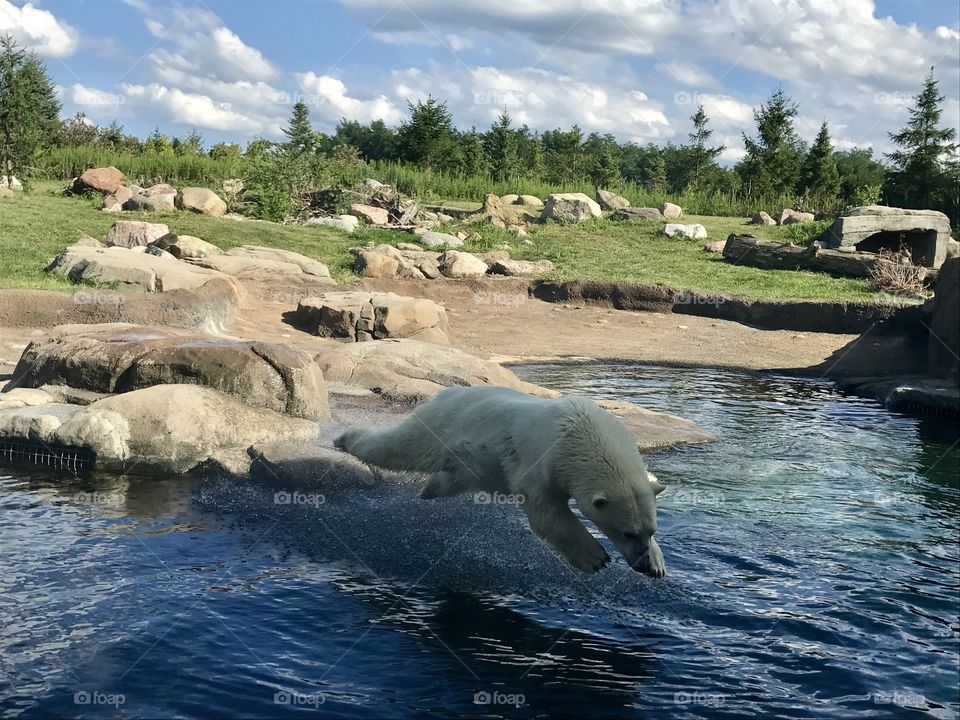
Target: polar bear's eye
point(631, 536)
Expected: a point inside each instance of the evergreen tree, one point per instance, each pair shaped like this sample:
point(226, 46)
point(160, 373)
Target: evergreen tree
point(603, 154)
point(860, 174)
point(921, 164)
point(191, 145)
point(773, 159)
point(29, 109)
point(655, 175)
point(502, 147)
point(701, 157)
point(534, 158)
point(158, 144)
point(563, 156)
point(819, 179)
point(302, 138)
point(427, 138)
point(474, 157)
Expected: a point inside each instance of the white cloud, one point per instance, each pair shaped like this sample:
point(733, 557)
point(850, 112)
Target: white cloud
point(37, 30)
point(189, 108)
point(686, 73)
point(330, 98)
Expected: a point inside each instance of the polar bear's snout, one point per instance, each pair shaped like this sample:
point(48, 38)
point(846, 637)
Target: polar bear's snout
point(642, 554)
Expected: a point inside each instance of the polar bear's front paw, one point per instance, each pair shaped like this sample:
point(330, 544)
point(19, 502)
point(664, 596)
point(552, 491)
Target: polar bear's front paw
point(656, 568)
point(346, 439)
point(588, 556)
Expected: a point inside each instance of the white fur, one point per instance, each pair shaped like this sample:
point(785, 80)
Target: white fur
point(498, 440)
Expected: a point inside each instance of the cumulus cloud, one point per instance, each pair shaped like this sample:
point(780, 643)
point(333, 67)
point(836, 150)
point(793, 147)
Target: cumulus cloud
point(329, 96)
point(37, 30)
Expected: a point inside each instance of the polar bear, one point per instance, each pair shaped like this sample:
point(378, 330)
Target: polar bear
point(497, 440)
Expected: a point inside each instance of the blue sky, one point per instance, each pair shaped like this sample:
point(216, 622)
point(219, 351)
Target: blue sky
point(634, 68)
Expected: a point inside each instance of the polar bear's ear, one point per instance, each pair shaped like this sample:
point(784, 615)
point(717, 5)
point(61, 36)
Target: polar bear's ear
point(600, 501)
point(658, 487)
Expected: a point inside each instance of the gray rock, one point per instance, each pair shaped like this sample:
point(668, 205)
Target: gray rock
point(131, 233)
point(348, 315)
point(791, 217)
point(569, 207)
point(200, 200)
point(762, 218)
point(611, 201)
point(346, 223)
point(121, 358)
point(455, 264)
point(263, 263)
point(439, 240)
point(632, 214)
point(671, 211)
point(151, 203)
point(520, 268)
point(695, 231)
point(873, 227)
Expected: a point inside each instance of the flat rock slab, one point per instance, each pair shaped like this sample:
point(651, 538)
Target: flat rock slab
point(654, 430)
point(129, 269)
point(361, 316)
point(634, 214)
point(164, 428)
point(862, 223)
point(263, 263)
point(411, 371)
point(122, 358)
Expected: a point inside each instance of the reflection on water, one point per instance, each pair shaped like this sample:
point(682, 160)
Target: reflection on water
point(812, 557)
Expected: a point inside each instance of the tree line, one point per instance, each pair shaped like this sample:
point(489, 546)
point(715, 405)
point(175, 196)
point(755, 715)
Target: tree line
point(922, 171)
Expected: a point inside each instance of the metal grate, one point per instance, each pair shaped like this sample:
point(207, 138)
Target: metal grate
point(55, 457)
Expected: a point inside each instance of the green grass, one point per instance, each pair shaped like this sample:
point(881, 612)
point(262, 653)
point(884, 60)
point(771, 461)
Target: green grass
point(35, 226)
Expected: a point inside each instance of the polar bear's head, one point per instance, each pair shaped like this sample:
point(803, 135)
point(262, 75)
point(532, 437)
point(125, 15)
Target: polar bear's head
point(600, 466)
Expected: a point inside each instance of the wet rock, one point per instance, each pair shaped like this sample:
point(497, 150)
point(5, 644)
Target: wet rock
point(362, 316)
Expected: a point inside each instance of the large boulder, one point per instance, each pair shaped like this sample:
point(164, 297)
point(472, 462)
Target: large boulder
point(633, 214)
point(491, 212)
point(104, 180)
point(695, 231)
point(945, 323)
point(373, 264)
point(115, 200)
point(128, 269)
point(529, 201)
point(133, 233)
point(792, 217)
point(520, 268)
point(10, 183)
point(370, 214)
point(671, 211)
point(762, 218)
point(186, 247)
point(256, 262)
point(160, 429)
point(569, 207)
point(509, 199)
point(926, 233)
point(120, 358)
point(360, 316)
point(611, 201)
point(455, 264)
point(201, 200)
point(158, 202)
point(413, 371)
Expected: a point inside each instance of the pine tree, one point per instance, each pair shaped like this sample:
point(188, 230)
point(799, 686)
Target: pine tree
point(536, 164)
point(925, 151)
point(701, 157)
point(302, 138)
point(474, 157)
point(819, 179)
point(427, 138)
point(29, 109)
point(655, 179)
point(158, 144)
point(503, 149)
point(772, 163)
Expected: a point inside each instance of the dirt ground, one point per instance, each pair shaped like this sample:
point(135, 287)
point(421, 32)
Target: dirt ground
point(496, 318)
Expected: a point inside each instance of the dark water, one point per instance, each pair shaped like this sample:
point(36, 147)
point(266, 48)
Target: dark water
point(812, 561)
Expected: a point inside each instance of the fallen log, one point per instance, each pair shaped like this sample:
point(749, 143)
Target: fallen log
point(769, 254)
